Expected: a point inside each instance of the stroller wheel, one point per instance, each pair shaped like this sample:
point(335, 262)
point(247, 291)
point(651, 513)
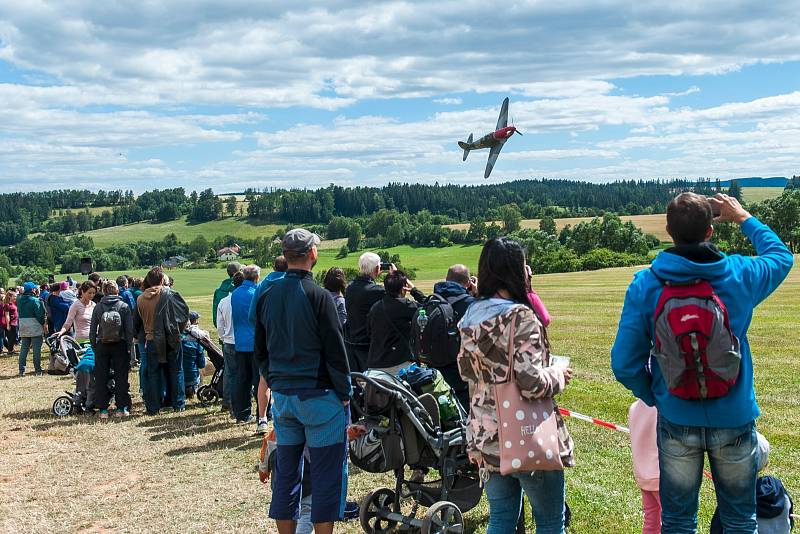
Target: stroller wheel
point(442, 518)
point(373, 510)
point(63, 406)
point(207, 395)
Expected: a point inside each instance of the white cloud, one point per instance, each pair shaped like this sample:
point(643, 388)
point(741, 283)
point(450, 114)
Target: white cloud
point(448, 101)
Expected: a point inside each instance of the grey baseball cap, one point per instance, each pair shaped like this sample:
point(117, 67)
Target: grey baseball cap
point(299, 241)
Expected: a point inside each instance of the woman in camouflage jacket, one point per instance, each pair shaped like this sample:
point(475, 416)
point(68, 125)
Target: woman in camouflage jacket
point(484, 357)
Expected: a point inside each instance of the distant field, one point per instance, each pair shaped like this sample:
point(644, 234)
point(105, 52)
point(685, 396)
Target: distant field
point(431, 264)
point(759, 194)
point(184, 231)
point(93, 210)
point(650, 224)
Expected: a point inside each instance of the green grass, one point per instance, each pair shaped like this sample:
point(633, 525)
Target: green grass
point(759, 194)
point(196, 469)
point(146, 231)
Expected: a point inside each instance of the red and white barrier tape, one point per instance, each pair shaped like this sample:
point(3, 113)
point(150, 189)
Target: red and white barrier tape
point(612, 426)
point(594, 421)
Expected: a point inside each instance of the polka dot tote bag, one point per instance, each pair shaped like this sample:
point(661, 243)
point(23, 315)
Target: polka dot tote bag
point(528, 429)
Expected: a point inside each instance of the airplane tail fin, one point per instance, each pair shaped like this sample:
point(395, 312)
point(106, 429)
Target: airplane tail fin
point(465, 147)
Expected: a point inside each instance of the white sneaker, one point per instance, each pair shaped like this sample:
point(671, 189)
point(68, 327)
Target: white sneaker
point(262, 427)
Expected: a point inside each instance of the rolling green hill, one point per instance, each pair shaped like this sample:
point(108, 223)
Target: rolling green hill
point(185, 231)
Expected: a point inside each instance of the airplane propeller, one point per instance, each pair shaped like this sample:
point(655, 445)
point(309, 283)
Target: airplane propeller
point(517, 131)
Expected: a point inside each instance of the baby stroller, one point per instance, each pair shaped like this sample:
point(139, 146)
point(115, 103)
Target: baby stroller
point(77, 360)
point(211, 392)
point(405, 430)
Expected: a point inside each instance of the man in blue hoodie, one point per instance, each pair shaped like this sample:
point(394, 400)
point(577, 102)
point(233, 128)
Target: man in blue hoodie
point(247, 373)
point(722, 427)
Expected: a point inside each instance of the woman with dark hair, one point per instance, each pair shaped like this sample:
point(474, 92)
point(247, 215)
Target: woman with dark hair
point(486, 328)
point(335, 282)
point(389, 325)
point(10, 319)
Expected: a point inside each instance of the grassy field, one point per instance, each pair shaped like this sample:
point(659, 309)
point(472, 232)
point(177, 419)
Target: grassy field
point(194, 471)
point(759, 194)
point(184, 231)
point(650, 224)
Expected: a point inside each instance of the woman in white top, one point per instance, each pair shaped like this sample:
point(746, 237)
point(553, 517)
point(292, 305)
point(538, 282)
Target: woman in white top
point(80, 313)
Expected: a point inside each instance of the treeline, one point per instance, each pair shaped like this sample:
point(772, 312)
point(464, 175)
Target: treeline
point(782, 214)
point(464, 202)
point(21, 213)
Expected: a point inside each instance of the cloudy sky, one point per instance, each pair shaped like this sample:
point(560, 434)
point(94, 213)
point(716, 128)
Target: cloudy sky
point(235, 94)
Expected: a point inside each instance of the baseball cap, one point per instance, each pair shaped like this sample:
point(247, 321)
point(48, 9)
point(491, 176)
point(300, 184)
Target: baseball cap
point(193, 316)
point(299, 241)
point(29, 286)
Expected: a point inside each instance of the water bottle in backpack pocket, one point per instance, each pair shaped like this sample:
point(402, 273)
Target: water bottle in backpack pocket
point(111, 324)
point(696, 351)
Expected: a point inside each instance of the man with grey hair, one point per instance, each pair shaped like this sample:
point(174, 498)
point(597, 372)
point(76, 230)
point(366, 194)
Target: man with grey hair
point(246, 379)
point(359, 298)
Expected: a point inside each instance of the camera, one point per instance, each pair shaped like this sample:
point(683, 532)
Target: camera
point(385, 265)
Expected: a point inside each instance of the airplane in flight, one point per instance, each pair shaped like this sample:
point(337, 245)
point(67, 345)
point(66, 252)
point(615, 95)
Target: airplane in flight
point(493, 141)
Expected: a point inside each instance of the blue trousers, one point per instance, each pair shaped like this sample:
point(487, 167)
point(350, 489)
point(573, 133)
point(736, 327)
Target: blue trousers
point(545, 491)
point(25, 344)
point(733, 456)
point(316, 419)
point(176, 395)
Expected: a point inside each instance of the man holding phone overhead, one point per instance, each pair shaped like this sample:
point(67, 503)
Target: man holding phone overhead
point(682, 347)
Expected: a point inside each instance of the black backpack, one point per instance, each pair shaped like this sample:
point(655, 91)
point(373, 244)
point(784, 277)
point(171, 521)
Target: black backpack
point(111, 323)
point(439, 342)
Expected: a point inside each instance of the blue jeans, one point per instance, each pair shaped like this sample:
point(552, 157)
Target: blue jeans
point(545, 491)
point(229, 354)
point(24, 346)
point(732, 454)
point(153, 380)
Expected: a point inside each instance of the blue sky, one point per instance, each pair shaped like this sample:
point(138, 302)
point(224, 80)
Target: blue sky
point(234, 95)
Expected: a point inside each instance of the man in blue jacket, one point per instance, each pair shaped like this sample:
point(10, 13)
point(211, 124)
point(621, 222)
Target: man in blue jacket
point(723, 427)
point(247, 373)
point(300, 348)
point(279, 268)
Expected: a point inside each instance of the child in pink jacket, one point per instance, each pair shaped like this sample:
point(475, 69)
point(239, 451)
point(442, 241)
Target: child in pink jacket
point(642, 423)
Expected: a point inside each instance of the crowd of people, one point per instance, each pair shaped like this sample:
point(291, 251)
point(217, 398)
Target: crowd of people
point(290, 346)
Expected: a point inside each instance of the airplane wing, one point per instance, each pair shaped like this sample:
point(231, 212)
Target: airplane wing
point(493, 153)
point(502, 120)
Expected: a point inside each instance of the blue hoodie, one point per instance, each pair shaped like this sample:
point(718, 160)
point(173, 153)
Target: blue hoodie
point(243, 330)
point(741, 282)
point(265, 284)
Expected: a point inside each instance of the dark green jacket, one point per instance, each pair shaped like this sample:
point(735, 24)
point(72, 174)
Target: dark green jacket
point(31, 315)
point(224, 289)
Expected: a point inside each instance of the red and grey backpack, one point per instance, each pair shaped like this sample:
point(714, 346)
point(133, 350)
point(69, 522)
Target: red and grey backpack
point(694, 346)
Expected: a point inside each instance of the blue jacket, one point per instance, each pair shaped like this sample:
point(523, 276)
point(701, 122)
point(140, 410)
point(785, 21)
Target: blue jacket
point(741, 282)
point(127, 298)
point(194, 359)
point(299, 343)
point(59, 308)
point(240, 310)
point(265, 284)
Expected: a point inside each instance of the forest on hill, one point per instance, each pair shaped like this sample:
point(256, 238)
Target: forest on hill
point(67, 212)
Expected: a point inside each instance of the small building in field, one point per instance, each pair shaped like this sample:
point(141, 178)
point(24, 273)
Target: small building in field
point(229, 253)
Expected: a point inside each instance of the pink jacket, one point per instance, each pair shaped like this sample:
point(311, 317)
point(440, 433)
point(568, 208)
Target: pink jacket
point(539, 308)
point(642, 423)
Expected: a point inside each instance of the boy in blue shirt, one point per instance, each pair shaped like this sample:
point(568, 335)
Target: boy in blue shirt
point(194, 357)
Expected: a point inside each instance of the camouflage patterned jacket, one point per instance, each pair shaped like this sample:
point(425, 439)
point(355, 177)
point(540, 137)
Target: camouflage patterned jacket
point(483, 359)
